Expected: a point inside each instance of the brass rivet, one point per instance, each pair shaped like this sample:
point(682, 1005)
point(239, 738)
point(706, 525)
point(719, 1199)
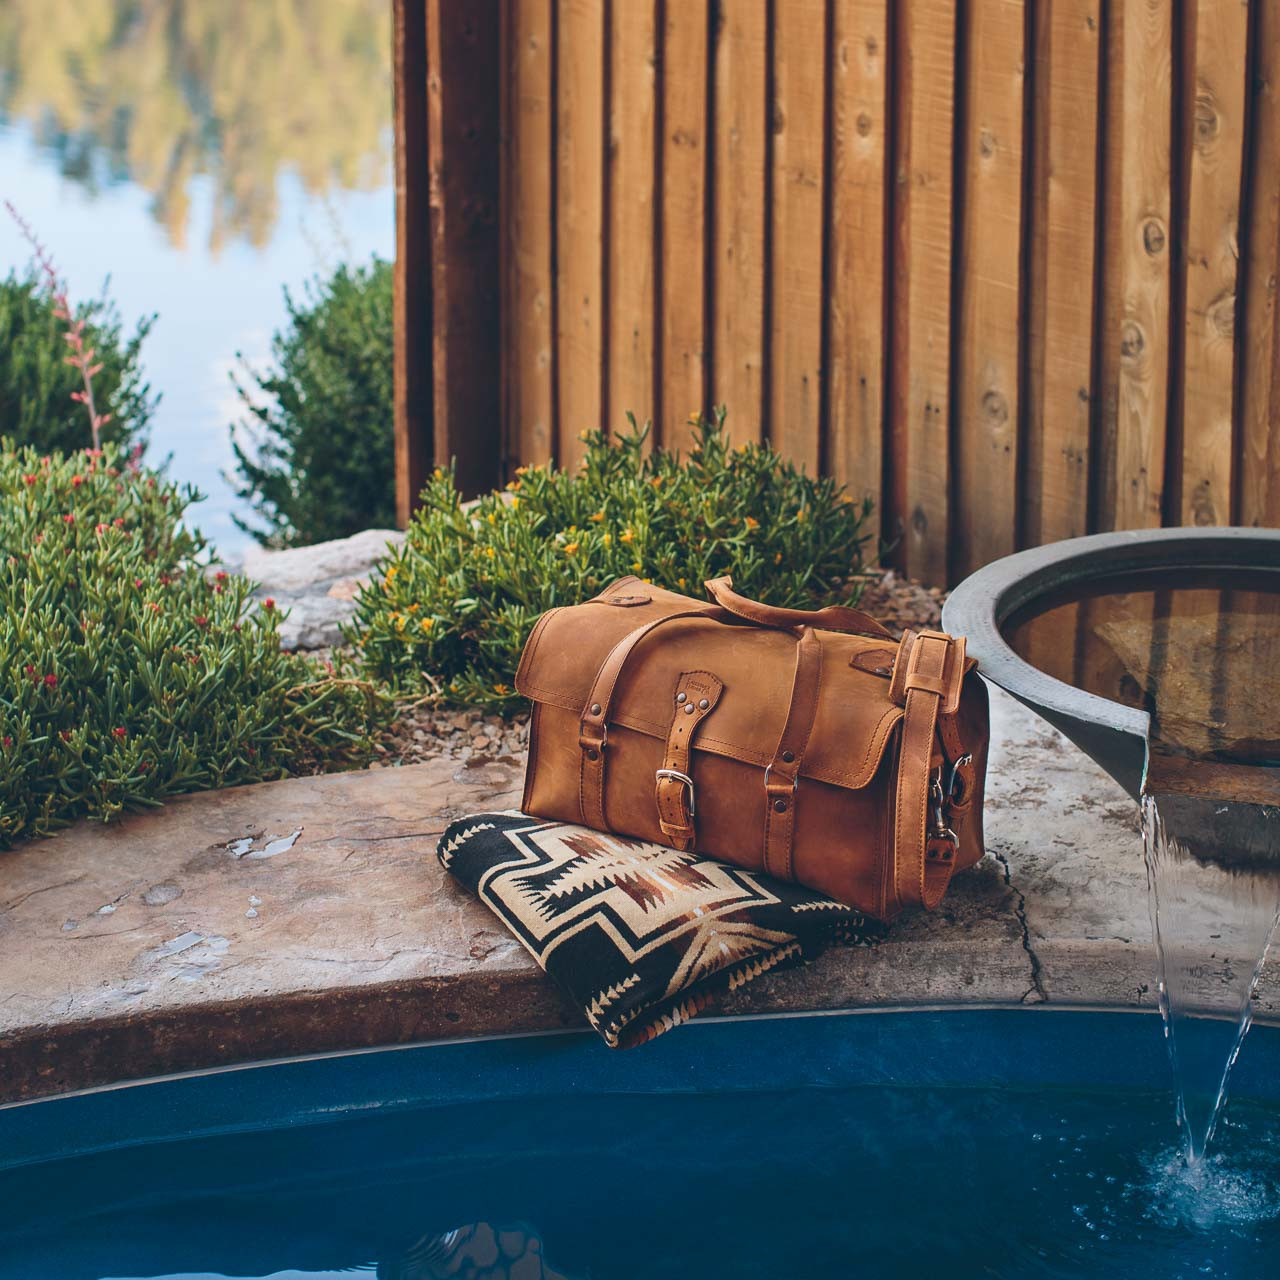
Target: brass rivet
point(682, 697)
point(703, 703)
point(780, 806)
point(595, 708)
point(689, 709)
point(788, 757)
point(593, 754)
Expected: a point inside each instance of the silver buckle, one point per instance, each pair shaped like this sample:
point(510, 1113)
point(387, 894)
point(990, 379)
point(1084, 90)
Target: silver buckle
point(795, 782)
point(680, 777)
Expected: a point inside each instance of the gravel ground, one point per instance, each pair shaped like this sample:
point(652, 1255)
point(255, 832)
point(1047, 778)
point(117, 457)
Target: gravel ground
point(423, 732)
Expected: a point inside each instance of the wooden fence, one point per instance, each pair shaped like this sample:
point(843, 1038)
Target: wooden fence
point(1009, 267)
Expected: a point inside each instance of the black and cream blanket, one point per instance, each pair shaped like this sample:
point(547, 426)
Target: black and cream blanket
point(642, 937)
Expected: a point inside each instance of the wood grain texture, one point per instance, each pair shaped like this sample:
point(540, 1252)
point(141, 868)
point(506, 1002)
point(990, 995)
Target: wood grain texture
point(796, 279)
point(1136, 247)
point(411, 285)
point(633, 53)
point(1258, 473)
point(1061, 211)
point(580, 303)
point(1216, 40)
point(921, 307)
point(529, 219)
point(859, 119)
point(683, 390)
point(738, 202)
point(987, 344)
point(464, 128)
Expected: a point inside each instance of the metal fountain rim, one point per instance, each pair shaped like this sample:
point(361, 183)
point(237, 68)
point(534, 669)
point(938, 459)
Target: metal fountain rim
point(984, 601)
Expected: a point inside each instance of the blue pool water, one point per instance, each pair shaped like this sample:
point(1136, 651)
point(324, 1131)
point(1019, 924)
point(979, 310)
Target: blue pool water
point(992, 1144)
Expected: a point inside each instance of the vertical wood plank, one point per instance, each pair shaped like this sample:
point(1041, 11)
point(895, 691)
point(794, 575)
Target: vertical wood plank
point(856, 288)
point(1217, 35)
point(738, 271)
point(986, 346)
point(580, 303)
point(411, 282)
point(529, 307)
point(796, 283)
point(633, 53)
point(463, 123)
point(1258, 478)
point(924, 42)
point(1062, 210)
point(1134, 344)
point(684, 211)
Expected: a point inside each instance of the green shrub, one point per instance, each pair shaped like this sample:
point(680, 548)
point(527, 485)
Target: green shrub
point(37, 383)
point(450, 609)
point(317, 459)
point(129, 670)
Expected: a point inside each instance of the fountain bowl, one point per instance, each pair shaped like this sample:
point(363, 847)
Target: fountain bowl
point(1114, 734)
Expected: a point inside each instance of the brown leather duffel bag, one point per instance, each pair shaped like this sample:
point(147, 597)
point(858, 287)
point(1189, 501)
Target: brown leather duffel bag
point(812, 746)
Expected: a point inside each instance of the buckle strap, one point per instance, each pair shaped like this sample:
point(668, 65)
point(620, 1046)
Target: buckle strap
point(696, 695)
point(593, 725)
point(928, 675)
point(782, 776)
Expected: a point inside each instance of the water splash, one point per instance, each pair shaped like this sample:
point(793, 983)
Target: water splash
point(1213, 875)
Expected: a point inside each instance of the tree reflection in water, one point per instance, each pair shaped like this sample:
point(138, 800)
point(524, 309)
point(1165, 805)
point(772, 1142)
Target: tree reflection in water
point(163, 92)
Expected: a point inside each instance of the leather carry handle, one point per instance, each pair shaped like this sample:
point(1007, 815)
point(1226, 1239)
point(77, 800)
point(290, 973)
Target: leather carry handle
point(835, 617)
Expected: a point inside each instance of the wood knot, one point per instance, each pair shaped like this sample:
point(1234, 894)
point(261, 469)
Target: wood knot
point(1207, 123)
point(779, 120)
point(1153, 238)
point(1132, 342)
point(863, 124)
point(919, 521)
point(995, 407)
point(987, 143)
point(1222, 315)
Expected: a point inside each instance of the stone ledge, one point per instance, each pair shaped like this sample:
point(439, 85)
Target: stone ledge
point(150, 947)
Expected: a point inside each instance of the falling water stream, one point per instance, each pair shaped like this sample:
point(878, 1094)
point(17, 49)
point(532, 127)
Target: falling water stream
point(1200, 653)
point(1215, 902)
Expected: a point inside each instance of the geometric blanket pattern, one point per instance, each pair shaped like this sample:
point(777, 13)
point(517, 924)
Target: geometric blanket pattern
point(640, 936)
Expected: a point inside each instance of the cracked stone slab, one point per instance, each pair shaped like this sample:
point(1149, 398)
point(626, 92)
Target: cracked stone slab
point(310, 915)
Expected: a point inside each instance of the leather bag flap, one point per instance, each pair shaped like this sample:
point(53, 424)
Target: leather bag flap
point(855, 717)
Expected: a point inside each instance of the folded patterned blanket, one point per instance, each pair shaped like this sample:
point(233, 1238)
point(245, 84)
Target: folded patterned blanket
point(641, 936)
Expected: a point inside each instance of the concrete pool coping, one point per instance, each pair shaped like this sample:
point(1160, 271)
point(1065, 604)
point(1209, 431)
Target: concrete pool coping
point(203, 935)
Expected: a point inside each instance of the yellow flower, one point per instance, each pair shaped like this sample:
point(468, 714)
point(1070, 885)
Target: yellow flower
point(777, 557)
point(598, 517)
point(522, 471)
point(438, 472)
point(800, 517)
point(636, 567)
point(626, 535)
point(427, 623)
point(501, 689)
point(682, 583)
point(413, 608)
point(399, 621)
point(515, 504)
point(751, 523)
point(656, 482)
point(570, 548)
point(492, 517)
point(489, 552)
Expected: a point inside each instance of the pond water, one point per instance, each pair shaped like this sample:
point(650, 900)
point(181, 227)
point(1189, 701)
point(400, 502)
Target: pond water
point(204, 157)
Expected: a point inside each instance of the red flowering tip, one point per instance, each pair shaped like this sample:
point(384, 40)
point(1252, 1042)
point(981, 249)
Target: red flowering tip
point(250, 752)
point(120, 731)
point(51, 681)
point(93, 453)
point(8, 742)
point(218, 590)
point(30, 479)
point(77, 481)
point(100, 529)
point(202, 621)
point(220, 576)
point(144, 766)
point(69, 518)
point(39, 538)
point(165, 579)
point(65, 735)
point(268, 603)
point(118, 522)
point(29, 669)
point(137, 582)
